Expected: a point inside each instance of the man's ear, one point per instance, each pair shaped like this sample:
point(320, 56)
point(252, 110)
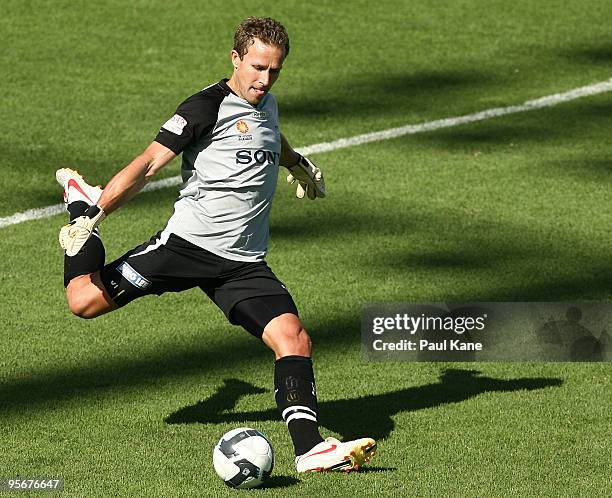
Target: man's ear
point(235, 59)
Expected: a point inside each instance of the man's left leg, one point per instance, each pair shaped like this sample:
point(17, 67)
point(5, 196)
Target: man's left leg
point(274, 319)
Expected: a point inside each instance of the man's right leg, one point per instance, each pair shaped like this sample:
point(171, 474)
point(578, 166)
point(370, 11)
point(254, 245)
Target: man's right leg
point(87, 297)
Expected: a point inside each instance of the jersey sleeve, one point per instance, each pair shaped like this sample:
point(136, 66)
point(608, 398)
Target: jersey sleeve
point(193, 119)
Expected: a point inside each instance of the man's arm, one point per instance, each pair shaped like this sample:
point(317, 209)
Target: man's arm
point(122, 187)
point(303, 170)
point(131, 179)
point(288, 156)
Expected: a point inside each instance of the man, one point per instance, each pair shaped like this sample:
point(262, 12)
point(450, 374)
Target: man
point(217, 237)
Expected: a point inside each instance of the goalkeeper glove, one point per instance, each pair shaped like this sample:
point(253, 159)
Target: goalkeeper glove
point(309, 178)
point(73, 236)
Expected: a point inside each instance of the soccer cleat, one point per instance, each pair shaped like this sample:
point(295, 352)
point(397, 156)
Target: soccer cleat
point(76, 188)
point(331, 454)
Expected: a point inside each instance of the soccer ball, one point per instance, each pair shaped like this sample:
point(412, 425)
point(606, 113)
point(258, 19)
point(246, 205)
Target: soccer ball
point(243, 458)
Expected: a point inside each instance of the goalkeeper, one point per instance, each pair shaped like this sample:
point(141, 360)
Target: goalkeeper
point(217, 237)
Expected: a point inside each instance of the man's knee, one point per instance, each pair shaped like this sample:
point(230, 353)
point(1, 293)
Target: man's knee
point(87, 297)
point(286, 336)
point(81, 307)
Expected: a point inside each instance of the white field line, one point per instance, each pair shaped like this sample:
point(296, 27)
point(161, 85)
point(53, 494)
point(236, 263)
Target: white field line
point(548, 101)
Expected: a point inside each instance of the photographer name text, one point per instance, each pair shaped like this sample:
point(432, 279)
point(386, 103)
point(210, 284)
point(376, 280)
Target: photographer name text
point(425, 345)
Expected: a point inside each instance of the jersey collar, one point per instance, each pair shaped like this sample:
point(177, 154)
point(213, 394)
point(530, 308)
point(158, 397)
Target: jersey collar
point(223, 84)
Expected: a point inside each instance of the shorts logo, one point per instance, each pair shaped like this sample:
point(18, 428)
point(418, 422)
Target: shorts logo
point(242, 126)
point(132, 276)
point(175, 124)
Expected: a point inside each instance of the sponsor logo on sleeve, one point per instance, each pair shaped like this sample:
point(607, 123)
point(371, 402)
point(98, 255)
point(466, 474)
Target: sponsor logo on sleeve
point(175, 124)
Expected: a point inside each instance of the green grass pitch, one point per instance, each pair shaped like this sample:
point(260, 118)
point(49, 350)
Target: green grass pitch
point(509, 209)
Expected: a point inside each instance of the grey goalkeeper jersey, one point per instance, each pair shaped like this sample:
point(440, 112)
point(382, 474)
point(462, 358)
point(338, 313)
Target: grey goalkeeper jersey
point(231, 153)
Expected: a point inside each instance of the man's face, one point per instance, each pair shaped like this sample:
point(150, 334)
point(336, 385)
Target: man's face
point(257, 71)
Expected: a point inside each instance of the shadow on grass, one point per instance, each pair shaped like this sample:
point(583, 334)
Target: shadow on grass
point(375, 411)
point(376, 470)
point(276, 482)
point(582, 169)
point(556, 125)
point(600, 54)
point(395, 93)
point(48, 388)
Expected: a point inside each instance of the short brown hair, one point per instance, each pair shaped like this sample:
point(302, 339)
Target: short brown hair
point(267, 30)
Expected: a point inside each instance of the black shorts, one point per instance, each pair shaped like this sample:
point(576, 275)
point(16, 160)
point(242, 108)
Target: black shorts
point(168, 263)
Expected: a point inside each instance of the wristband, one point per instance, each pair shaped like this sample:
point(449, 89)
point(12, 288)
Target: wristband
point(300, 156)
point(95, 212)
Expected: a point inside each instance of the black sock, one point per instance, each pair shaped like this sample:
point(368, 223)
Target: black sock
point(296, 398)
point(77, 209)
point(91, 256)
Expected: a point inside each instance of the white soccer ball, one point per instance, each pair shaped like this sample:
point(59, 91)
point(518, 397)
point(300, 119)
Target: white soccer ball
point(243, 458)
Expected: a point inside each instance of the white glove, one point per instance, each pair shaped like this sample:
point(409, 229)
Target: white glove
point(309, 178)
point(73, 236)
